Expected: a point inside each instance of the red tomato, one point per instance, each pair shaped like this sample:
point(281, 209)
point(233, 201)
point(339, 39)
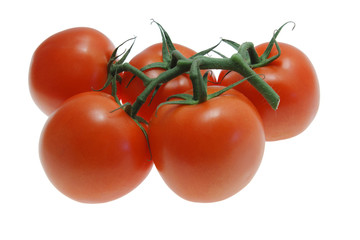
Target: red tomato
point(209, 151)
point(67, 63)
point(177, 85)
point(293, 77)
point(90, 154)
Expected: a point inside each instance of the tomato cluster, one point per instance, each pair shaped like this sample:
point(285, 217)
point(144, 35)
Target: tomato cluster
point(205, 134)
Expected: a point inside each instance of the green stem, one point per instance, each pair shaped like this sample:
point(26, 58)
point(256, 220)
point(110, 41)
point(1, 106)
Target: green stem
point(235, 63)
point(128, 67)
point(248, 49)
point(200, 91)
point(162, 78)
point(175, 57)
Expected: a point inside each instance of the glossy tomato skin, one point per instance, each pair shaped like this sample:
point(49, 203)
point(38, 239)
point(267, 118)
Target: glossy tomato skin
point(152, 54)
point(210, 151)
point(294, 78)
point(90, 154)
point(69, 62)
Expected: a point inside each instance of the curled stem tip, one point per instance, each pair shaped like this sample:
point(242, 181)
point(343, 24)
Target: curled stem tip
point(277, 31)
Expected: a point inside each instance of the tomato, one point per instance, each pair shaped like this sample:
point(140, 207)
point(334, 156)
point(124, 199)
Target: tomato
point(293, 77)
point(209, 151)
point(69, 62)
point(91, 154)
point(129, 92)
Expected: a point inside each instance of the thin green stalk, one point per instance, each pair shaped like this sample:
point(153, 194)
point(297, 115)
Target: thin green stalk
point(128, 67)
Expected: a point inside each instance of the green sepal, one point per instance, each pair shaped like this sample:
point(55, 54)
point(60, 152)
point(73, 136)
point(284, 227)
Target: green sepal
point(204, 52)
point(109, 79)
point(138, 120)
point(113, 58)
point(107, 83)
point(114, 55)
point(264, 60)
point(183, 96)
point(113, 75)
point(240, 48)
point(167, 48)
point(167, 45)
point(187, 100)
point(220, 54)
point(154, 93)
point(220, 80)
point(122, 106)
point(126, 53)
point(162, 65)
point(265, 55)
point(218, 93)
point(233, 44)
point(150, 66)
point(181, 102)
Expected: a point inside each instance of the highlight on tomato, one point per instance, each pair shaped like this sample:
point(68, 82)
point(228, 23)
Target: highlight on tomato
point(207, 152)
point(91, 153)
point(67, 63)
point(293, 77)
point(131, 86)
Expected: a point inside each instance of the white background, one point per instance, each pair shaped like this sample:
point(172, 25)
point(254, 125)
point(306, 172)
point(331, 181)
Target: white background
point(306, 188)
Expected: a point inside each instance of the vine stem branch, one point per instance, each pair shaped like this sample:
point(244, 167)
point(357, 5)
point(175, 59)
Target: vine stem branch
point(182, 65)
point(175, 64)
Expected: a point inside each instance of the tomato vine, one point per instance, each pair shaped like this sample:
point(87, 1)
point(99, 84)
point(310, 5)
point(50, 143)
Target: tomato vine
point(175, 64)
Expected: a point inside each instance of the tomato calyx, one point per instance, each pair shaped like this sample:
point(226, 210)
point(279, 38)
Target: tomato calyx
point(188, 99)
point(264, 58)
point(249, 54)
point(114, 69)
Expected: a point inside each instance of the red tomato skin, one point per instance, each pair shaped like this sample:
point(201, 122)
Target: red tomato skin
point(210, 151)
point(69, 62)
point(294, 78)
point(152, 54)
point(90, 154)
